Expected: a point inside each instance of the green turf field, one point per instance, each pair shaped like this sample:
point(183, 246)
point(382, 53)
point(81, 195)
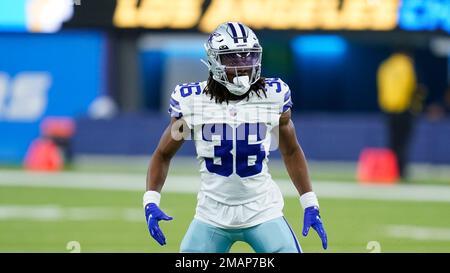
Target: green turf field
point(46, 218)
point(117, 223)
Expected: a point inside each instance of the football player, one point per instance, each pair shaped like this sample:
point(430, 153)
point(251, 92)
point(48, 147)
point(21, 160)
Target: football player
point(233, 118)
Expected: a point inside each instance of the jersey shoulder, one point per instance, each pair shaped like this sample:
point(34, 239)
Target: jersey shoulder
point(279, 92)
point(183, 97)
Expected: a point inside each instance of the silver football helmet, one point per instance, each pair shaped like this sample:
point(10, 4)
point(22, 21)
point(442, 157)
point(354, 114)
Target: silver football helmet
point(234, 56)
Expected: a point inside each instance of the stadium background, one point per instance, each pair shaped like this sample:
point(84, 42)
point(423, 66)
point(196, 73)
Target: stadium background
point(110, 66)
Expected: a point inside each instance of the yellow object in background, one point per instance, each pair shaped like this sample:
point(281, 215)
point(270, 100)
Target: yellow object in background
point(396, 83)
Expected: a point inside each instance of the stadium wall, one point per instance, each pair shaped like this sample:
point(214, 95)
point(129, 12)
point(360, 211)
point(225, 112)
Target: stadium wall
point(322, 136)
point(44, 75)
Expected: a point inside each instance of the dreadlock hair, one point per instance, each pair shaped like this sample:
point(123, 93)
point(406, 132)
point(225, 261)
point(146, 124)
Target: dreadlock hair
point(220, 93)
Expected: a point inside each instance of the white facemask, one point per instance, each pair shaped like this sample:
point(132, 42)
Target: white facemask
point(240, 85)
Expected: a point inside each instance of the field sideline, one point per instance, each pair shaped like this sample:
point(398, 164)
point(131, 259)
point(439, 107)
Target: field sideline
point(191, 184)
point(103, 212)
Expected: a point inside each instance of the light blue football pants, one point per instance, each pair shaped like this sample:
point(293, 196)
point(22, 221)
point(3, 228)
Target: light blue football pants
point(269, 237)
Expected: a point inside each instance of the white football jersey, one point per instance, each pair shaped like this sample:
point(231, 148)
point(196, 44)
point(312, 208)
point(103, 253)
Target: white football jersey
point(233, 142)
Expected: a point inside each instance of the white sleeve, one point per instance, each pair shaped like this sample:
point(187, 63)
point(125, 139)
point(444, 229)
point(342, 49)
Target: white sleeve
point(287, 101)
point(174, 104)
point(284, 94)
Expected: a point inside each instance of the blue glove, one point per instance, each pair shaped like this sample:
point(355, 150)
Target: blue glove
point(153, 215)
point(312, 219)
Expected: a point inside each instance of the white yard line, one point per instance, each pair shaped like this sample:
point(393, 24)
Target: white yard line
point(190, 184)
point(418, 233)
point(430, 193)
point(58, 213)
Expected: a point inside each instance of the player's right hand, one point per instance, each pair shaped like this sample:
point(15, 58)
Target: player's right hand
point(154, 214)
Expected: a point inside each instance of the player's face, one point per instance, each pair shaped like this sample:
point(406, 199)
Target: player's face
point(239, 63)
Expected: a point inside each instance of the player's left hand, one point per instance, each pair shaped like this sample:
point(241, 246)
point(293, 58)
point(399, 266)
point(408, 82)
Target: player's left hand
point(312, 219)
point(154, 214)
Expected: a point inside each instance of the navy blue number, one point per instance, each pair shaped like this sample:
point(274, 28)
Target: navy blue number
point(186, 90)
point(277, 83)
point(249, 153)
point(222, 151)
point(249, 157)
